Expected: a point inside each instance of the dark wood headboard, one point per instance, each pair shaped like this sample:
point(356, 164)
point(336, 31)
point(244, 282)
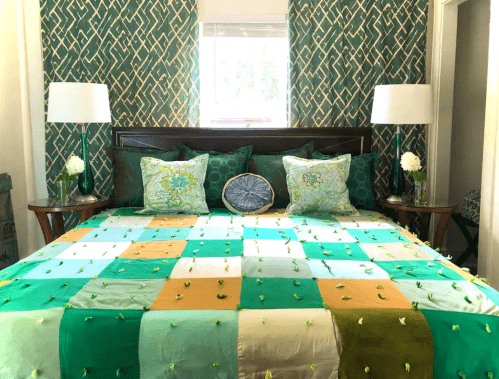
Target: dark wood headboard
point(327, 140)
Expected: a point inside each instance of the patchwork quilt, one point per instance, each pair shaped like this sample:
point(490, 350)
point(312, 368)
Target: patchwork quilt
point(225, 296)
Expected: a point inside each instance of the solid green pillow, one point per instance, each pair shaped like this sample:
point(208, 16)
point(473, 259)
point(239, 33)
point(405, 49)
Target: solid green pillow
point(128, 188)
point(270, 166)
point(221, 168)
point(360, 182)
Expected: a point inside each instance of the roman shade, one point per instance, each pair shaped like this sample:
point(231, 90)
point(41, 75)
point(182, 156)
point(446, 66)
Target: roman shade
point(230, 11)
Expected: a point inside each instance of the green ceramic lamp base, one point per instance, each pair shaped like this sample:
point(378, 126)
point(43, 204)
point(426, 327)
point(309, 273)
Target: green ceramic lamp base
point(395, 199)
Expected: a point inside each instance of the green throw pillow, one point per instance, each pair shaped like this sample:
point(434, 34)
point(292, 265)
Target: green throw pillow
point(221, 168)
point(172, 187)
point(270, 166)
point(318, 185)
point(360, 182)
point(128, 188)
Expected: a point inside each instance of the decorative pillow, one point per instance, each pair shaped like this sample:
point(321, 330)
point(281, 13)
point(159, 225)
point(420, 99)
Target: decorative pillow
point(248, 194)
point(319, 186)
point(360, 182)
point(128, 188)
point(172, 187)
point(270, 166)
point(221, 167)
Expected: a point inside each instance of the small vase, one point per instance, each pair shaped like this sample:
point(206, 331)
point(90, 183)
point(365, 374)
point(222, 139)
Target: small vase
point(62, 190)
point(419, 193)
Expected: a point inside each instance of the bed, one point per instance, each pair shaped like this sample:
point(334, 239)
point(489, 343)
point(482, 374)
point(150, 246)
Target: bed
point(256, 296)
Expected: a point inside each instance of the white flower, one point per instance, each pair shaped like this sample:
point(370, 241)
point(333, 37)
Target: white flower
point(410, 162)
point(74, 165)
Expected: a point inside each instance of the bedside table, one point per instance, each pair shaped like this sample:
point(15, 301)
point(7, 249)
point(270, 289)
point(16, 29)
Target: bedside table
point(442, 207)
point(43, 207)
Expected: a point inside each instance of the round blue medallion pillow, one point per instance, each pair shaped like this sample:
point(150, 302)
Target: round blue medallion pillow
point(248, 194)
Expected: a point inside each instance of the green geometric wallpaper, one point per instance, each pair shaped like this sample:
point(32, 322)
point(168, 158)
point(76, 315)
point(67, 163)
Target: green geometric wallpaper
point(146, 51)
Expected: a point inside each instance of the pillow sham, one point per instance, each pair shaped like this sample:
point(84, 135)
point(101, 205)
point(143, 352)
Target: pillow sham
point(221, 167)
point(173, 187)
point(270, 166)
point(248, 194)
point(128, 188)
point(318, 185)
point(360, 181)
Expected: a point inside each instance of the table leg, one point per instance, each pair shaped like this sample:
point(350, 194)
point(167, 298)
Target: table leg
point(442, 225)
point(403, 218)
point(86, 214)
point(58, 224)
point(45, 225)
point(425, 226)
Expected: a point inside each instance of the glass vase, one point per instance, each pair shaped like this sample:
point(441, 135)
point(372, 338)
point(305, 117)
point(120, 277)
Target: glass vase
point(62, 190)
point(419, 193)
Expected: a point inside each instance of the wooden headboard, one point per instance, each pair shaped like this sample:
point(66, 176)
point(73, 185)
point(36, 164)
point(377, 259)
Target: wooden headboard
point(327, 140)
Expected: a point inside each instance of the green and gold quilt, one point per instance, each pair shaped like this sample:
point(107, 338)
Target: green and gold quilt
point(224, 296)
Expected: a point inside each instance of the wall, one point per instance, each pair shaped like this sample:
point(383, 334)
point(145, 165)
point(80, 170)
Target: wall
point(468, 116)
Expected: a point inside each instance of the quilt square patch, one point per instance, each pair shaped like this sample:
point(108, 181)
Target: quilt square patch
point(287, 343)
point(73, 235)
point(113, 333)
point(418, 270)
point(126, 222)
point(92, 222)
point(113, 235)
point(117, 294)
point(164, 234)
point(280, 293)
point(126, 212)
point(190, 358)
point(279, 222)
point(459, 296)
point(394, 251)
point(465, 275)
point(358, 293)
point(323, 234)
point(52, 250)
point(270, 234)
point(210, 249)
point(176, 221)
point(68, 268)
point(215, 233)
point(199, 293)
point(346, 270)
point(94, 250)
point(30, 341)
point(273, 248)
point(377, 236)
point(334, 251)
point(154, 249)
point(27, 295)
point(139, 268)
point(271, 267)
point(407, 234)
point(363, 223)
point(194, 267)
point(492, 294)
point(19, 269)
point(314, 220)
point(219, 221)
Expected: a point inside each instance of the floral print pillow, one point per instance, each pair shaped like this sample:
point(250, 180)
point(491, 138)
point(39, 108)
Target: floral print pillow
point(318, 186)
point(173, 187)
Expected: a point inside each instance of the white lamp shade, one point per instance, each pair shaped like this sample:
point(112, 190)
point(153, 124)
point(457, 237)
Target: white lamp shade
point(78, 103)
point(402, 104)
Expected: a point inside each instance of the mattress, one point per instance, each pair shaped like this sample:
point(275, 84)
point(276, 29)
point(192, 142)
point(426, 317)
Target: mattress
point(225, 296)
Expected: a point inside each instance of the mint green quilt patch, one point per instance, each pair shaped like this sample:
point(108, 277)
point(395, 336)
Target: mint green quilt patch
point(334, 251)
point(122, 268)
point(50, 251)
point(270, 234)
point(315, 185)
point(418, 270)
point(173, 187)
point(27, 295)
point(280, 293)
point(103, 343)
point(171, 352)
point(463, 344)
point(30, 341)
point(213, 248)
point(19, 269)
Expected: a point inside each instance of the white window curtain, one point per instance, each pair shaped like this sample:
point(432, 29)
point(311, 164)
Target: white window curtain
point(263, 30)
point(243, 11)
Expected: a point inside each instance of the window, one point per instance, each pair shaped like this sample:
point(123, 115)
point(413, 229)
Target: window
point(243, 75)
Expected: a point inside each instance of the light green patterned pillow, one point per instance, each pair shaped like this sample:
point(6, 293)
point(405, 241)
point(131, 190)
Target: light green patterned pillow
point(318, 186)
point(172, 187)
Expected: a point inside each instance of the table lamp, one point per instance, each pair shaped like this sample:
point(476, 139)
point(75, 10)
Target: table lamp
point(81, 103)
point(398, 104)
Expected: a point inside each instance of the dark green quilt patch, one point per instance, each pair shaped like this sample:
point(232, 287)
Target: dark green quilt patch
point(101, 343)
point(27, 295)
point(380, 346)
point(464, 345)
point(418, 270)
point(334, 251)
point(128, 212)
point(122, 268)
point(19, 269)
point(280, 293)
point(93, 222)
point(213, 248)
point(221, 168)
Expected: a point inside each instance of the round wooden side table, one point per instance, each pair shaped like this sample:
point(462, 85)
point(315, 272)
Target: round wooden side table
point(42, 207)
point(442, 207)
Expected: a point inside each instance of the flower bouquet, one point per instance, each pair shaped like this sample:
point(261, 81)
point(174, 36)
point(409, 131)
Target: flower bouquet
point(72, 168)
point(410, 162)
